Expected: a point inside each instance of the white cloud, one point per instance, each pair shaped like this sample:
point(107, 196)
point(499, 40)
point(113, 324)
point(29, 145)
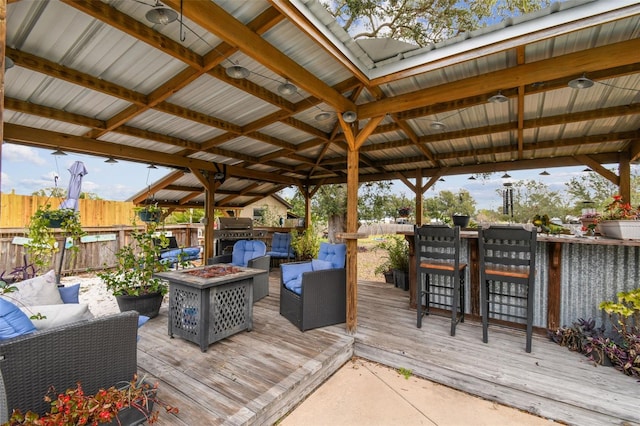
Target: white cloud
point(22, 154)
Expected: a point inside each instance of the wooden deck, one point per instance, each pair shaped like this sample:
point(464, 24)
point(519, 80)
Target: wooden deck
point(256, 377)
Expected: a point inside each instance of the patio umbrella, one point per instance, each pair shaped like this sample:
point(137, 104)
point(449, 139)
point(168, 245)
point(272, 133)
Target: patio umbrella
point(77, 171)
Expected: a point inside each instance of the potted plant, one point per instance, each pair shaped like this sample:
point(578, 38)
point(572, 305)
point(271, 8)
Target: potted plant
point(385, 269)
point(620, 220)
point(306, 245)
point(132, 280)
point(42, 239)
point(397, 257)
point(149, 213)
point(129, 404)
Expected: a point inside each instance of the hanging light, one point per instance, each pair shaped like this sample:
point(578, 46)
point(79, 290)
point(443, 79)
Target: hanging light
point(349, 116)
point(587, 170)
point(111, 160)
point(441, 180)
point(58, 151)
point(498, 98)
point(581, 83)
point(323, 116)
point(151, 166)
point(8, 63)
point(438, 125)
point(237, 72)
point(287, 89)
point(472, 177)
point(544, 173)
point(506, 176)
point(161, 14)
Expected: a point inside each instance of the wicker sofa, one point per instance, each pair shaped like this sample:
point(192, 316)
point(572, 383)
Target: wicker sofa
point(98, 353)
point(320, 296)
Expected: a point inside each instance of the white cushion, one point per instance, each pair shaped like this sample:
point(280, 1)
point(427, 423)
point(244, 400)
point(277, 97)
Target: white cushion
point(57, 315)
point(41, 290)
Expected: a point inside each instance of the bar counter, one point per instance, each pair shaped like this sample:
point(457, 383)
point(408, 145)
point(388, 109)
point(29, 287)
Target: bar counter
point(573, 275)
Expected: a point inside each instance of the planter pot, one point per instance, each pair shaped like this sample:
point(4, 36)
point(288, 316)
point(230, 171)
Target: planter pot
point(149, 216)
point(620, 229)
point(461, 220)
point(401, 279)
point(146, 304)
point(388, 277)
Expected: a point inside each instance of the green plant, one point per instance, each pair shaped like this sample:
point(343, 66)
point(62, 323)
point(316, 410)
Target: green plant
point(397, 249)
point(42, 244)
point(137, 263)
point(306, 244)
point(150, 212)
point(73, 407)
point(405, 372)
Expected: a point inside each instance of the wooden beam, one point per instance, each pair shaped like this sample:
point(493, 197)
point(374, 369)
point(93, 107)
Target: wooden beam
point(216, 20)
point(152, 189)
point(598, 168)
point(606, 56)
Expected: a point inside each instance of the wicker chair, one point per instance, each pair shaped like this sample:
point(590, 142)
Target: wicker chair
point(97, 353)
point(281, 248)
point(321, 300)
point(249, 254)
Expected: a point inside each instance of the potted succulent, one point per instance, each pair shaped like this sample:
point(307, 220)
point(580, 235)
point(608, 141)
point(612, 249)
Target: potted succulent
point(129, 404)
point(397, 257)
point(132, 280)
point(42, 239)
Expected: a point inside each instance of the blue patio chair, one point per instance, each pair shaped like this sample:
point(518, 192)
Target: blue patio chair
point(281, 247)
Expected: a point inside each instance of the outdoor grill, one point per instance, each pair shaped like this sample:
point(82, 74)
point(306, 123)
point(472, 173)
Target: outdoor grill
point(232, 229)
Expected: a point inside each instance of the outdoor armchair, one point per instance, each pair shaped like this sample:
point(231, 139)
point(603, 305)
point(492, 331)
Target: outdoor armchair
point(281, 246)
point(313, 293)
point(249, 254)
point(98, 353)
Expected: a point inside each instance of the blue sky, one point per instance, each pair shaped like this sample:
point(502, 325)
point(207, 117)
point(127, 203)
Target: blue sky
point(26, 169)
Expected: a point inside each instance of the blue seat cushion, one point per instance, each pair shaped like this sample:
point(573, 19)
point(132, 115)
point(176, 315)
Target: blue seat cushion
point(334, 253)
point(292, 275)
point(319, 265)
point(245, 250)
point(70, 293)
point(13, 322)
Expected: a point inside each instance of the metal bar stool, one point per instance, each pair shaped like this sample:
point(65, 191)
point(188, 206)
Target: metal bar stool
point(507, 276)
point(440, 280)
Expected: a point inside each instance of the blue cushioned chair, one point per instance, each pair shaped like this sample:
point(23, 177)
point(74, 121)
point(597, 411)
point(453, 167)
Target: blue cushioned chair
point(313, 294)
point(281, 247)
point(249, 254)
point(173, 254)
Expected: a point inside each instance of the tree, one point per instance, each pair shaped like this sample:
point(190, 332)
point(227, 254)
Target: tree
point(531, 197)
point(448, 203)
point(593, 187)
point(423, 21)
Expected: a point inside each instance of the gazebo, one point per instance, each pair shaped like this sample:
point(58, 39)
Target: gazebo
point(243, 99)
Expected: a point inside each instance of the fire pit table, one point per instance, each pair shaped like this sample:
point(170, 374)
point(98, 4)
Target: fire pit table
point(210, 303)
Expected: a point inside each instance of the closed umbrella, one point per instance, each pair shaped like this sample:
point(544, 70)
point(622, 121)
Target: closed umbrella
point(77, 171)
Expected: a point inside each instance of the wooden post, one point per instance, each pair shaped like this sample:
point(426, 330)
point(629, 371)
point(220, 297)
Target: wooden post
point(419, 192)
point(352, 244)
point(3, 42)
point(554, 285)
point(624, 170)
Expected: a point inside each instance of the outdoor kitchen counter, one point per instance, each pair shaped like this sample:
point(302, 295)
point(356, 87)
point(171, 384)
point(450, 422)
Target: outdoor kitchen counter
point(573, 275)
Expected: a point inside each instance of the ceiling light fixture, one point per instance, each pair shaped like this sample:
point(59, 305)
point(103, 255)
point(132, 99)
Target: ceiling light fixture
point(438, 125)
point(544, 173)
point(237, 72)
point(441, 180)
point(151, 166)
point(581, 83)
point(8, 63)
point(287, 89)
point(506, 176)
point(498, 98)
point(111, 160)
point(161, 14)
point(58, 151)
point(587, 170)
point(323, 116)
point(472, 177)
point(349, 116)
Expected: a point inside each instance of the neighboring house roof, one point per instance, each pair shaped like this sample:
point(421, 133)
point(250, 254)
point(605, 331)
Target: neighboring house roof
point(99, 78)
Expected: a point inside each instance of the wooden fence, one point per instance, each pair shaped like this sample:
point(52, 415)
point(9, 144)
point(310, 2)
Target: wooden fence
point(16, 211)
point(96, 250)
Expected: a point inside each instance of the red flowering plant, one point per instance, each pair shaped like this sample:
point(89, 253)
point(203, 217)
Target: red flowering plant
point(74, 407)
point(619, 210)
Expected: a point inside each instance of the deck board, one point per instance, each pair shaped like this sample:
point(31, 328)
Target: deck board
point(256, 377)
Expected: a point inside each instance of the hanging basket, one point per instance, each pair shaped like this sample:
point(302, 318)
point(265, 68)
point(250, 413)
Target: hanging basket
point(149, 216)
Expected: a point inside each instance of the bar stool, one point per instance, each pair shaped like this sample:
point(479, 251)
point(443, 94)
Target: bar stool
point(507, 275)
point(440, 280)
